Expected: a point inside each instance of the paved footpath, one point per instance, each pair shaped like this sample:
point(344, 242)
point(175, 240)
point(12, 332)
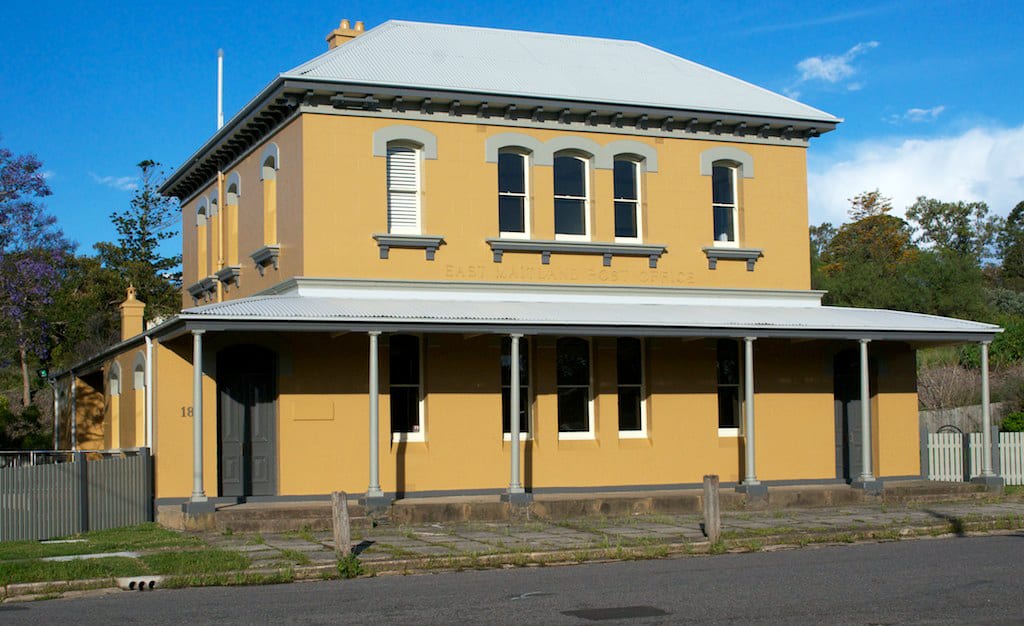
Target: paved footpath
point(394, 548)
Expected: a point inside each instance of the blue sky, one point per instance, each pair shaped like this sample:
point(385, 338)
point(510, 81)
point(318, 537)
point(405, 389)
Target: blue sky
point(931, 91)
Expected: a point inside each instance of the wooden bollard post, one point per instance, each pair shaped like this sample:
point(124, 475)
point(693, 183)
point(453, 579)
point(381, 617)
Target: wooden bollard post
point(342, 528)
point(712, 511)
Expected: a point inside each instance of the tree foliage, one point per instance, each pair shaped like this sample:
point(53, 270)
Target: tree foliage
point(32, 253)
point(962, 228)
point(136, 257)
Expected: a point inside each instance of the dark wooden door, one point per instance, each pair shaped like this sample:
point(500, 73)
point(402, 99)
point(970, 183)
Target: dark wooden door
point(847, 402)
point(247, 412)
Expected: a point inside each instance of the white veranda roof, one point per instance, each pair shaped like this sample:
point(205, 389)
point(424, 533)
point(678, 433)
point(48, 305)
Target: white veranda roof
point(651, 311)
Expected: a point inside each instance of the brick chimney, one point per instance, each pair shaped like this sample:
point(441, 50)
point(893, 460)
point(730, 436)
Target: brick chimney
point(131, 315)
point(343, 34)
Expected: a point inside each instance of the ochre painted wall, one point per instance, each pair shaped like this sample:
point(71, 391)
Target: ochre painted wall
point(332, 199)
point(322, 417)
point(289, 187)
point(345, 204)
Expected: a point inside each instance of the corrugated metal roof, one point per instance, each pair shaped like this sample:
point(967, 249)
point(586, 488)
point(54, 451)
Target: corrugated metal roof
point(577, 313)
point(542, 65)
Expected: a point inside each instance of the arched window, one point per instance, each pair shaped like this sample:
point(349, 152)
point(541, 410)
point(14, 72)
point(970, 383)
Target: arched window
point(139, 372)
point(114, 380)
point(270, 162)
point(213, 232)
point(724, 205)
point(728, 378)
point(403, 184)
point(232, 191)
point(513, 199)
point(626, 172)
point(572, 196)
point(202, 211)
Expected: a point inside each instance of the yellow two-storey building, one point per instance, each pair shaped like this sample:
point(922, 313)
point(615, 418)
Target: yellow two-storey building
point(452, 260)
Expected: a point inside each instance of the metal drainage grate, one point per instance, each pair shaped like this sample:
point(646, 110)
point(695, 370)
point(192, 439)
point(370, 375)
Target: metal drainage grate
point(616, 612)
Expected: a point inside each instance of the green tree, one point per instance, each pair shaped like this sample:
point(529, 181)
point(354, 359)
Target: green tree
point(1011, 249)
point(820, 236)
point(963, 228)
point(865, 263)
point(136, 257)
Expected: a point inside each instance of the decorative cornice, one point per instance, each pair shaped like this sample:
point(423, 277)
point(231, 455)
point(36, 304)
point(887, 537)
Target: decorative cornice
point(287, 97)
point(429, 243)
point(266, 256)
point(606, 250)
point(715, 254)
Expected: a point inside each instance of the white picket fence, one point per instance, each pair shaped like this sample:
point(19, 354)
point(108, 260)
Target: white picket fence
point(946, 457)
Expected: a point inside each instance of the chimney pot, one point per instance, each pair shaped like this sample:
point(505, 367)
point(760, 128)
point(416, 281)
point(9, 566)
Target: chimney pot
point(132, 312)
point(343, 34)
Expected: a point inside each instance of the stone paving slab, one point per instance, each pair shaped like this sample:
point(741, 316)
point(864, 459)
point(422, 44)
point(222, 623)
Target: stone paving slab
point(388, 542)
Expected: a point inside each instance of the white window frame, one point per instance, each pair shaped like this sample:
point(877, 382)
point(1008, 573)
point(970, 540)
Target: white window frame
point(524, 343)
point(420, 435)
point(527, 164)
point(741, 381)
point(416, 191)
point(587, 166)
point(589, 433)
point(734, 171)
point(637, 204)
point(642, 433)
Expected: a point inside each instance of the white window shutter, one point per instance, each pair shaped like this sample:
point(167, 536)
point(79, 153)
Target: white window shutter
point(403, 190)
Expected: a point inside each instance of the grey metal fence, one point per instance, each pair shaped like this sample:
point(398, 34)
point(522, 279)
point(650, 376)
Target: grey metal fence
point(93, 491)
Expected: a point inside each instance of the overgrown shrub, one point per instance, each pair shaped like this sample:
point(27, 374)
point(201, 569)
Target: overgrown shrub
point(1014, 422)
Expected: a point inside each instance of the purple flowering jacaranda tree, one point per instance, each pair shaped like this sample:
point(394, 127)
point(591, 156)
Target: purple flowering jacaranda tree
point(32, 252)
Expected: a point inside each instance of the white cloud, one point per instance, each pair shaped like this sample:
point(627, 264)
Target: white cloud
point(833, 69)
point(915, 115)
point(121, 183)
point(981, 164)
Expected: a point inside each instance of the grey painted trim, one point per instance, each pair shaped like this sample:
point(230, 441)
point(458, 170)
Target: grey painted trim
point(139, 365)
point(648, 155)
point(202, 211)
point(495, 143)
point(899, 478)
point(547, 247)
point(716, 254)
point(267, 255)
point(726, 153)
point(196, 321)
point(430, 243)
point(269, 150)
point(114, 379)
point(400, 132)
point(203, 288)
point(229, 275)
point(572, 143)
point(293, 87)
point(214, 203)
point(296, 282)
point(234, 178)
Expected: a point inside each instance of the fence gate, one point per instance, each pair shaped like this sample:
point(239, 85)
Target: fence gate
point(94, 491)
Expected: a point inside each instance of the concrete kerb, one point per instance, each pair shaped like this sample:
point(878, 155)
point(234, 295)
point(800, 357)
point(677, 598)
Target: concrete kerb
point(738, 541)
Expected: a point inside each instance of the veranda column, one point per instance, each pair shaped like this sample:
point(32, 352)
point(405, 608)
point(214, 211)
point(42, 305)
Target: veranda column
point(516, 493)
point(987, 477)
point(374, 495)
point(750, 485)
point(866, 480)
point(198, 503)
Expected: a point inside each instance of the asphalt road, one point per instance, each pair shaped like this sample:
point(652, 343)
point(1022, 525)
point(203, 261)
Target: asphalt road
point(973, 580)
